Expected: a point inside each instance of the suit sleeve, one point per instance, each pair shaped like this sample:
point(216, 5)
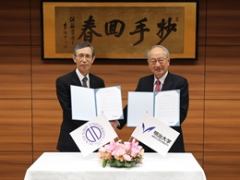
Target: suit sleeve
point(63, 95)
point(139, 86)
point(102, 84)
point(184, 101)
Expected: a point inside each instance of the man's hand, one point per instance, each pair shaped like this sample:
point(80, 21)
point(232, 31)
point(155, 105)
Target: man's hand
point(115, 124)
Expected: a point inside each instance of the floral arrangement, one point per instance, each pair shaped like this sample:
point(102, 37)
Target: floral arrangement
point(121, 154)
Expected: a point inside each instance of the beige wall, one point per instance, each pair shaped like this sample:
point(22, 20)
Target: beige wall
point(30, 114)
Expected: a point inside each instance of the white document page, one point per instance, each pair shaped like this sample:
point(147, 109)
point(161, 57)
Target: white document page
point(167, 107)
point(109, 102)
point(140, 104)
point(83, 103)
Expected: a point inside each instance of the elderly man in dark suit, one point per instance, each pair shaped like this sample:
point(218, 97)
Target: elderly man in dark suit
point(83, 57)
point(162, 80)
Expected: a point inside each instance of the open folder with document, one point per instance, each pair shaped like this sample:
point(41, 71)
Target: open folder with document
point(164, 105)
point(89, 103)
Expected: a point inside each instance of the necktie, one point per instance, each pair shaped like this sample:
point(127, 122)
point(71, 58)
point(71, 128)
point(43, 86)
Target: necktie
point(157, 86)
point(84, 81)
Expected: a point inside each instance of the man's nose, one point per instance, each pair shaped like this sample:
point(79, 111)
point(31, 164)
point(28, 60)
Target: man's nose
point(84, 59)
point(157, 63)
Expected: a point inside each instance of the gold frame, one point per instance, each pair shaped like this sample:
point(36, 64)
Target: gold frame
point(120, 50)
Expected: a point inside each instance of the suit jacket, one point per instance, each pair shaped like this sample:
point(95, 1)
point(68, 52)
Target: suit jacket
point(171, 82)
point(65, 141)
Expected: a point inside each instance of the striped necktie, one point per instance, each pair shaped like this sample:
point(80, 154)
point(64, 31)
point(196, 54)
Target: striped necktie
point(157, 86)
point(84, 81)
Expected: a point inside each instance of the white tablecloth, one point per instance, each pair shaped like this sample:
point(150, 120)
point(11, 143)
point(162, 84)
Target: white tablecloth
point(73, 166)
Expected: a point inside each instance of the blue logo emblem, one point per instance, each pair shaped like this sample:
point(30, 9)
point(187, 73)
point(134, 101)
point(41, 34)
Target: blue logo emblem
point(93, 134)
point(147, 129)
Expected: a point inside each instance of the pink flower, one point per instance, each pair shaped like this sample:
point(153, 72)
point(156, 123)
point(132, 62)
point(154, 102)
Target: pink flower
point(127, 157)
point(122, 152)
point(127, 146)
point(119, 150)
point(135, 148)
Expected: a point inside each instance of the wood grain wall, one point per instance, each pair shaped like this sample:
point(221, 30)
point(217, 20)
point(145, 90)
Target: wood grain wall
point(30, 115)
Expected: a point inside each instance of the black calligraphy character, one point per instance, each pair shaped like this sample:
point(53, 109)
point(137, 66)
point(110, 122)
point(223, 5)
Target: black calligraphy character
point(87, 30)
point(72, 26)
point(65, 34)
point(114, 27)
point(140, 28)
point(65, 25)
point(72, 21)
point(65, 29)
point(165, 28)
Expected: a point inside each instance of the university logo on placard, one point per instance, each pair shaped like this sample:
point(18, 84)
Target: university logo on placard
point(93, 133)
point(147, 129)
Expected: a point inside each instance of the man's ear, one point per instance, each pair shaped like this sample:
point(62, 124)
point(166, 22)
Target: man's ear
point(74, 58)
point(93, 59)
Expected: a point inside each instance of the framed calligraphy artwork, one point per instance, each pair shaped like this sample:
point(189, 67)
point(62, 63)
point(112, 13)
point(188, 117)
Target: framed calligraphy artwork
point(119, 30)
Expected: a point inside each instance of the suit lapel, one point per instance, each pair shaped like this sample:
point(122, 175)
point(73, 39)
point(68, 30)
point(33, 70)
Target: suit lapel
point(92, 82)
point(75, 80)
point(168, 82)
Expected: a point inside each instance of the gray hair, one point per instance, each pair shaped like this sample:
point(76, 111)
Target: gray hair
point(81, 45)
point(165, 50)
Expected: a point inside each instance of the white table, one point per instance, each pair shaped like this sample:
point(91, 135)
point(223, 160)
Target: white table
point(73, 166)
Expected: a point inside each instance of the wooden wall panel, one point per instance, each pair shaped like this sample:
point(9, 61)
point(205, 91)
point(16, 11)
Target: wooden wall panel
point(193, 70)
point(14, 22)
point(36, 28)
point(201, 26)
point(44, 75)
point(223, 26)
point(13, 165)
point(15, 123)
point(222, 165)
point(221, 134)
point(223, 72)
point(15, 72)
point(222, 145)
point(222, 125)
point(47, 118)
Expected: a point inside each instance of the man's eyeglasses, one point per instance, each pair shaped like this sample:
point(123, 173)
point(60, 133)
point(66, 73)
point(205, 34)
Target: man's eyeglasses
point(159, 60)
point(81, 56)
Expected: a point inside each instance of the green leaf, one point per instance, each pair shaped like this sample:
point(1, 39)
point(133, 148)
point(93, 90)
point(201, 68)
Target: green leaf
point(104, 163)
